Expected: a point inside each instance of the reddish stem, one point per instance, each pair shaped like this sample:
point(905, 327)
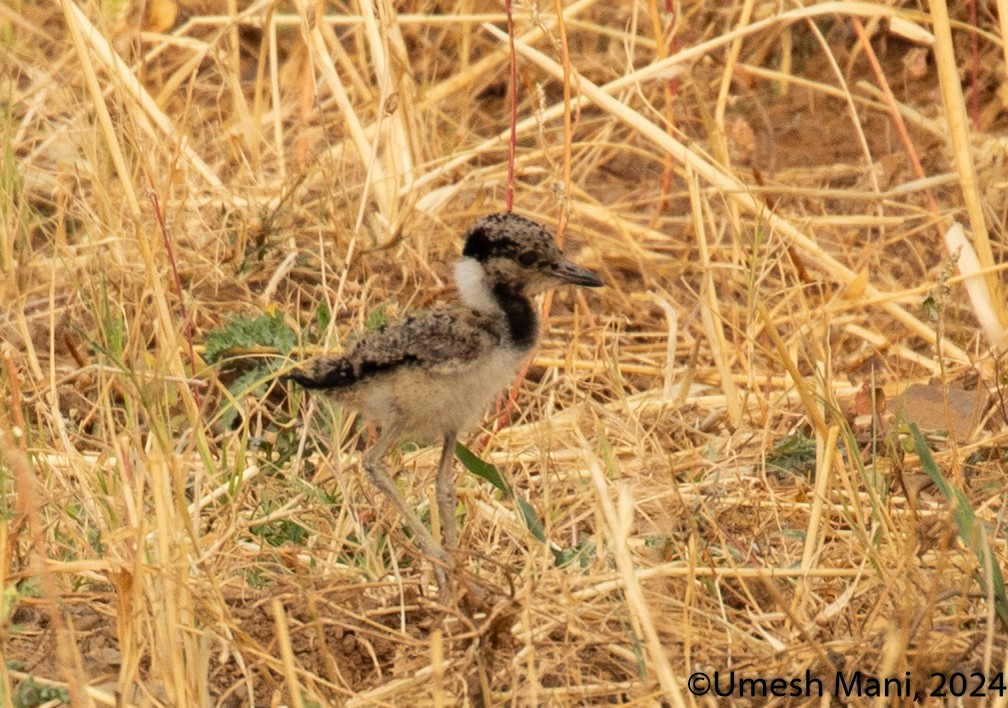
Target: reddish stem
point(177, 281)
point(513, 98)
point(974, 104)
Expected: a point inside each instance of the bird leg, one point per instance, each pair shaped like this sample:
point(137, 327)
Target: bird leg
point(446, 497)
point(380, 477)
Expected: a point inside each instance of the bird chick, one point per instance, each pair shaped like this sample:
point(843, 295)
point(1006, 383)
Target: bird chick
point(432, 374)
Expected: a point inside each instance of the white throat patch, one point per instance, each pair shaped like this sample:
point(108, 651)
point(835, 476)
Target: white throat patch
point(472, 286)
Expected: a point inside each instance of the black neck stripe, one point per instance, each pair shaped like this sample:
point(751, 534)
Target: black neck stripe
point(523, 322)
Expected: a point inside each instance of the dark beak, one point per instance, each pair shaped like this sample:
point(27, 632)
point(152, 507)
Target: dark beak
point(567, 271)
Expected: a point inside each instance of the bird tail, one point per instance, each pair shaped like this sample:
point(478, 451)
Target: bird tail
point(322, 372)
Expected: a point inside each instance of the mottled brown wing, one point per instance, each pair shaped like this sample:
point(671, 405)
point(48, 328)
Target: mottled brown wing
point(439, 339)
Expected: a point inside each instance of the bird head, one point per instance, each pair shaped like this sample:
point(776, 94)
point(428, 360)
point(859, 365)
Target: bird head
point(517, 254)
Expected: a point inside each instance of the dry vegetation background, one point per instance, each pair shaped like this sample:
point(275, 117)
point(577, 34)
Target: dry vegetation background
point(193, 195)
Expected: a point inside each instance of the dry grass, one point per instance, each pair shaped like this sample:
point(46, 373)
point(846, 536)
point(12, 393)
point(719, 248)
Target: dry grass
point(765, 193)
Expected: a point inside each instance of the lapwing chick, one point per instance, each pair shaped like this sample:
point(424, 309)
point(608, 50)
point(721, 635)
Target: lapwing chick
point(432, 374)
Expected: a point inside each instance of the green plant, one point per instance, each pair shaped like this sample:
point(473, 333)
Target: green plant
point(243, 342)
point(481, 468)
point(973, 533)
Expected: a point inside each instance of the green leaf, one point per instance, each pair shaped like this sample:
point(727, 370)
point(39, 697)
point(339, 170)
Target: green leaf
point(244, 332)
point(377, 317)
point(481, 468)
point(931, 309)
point(280, 532)
point(532, 520)
point(795, 453)
point(322, 315)
point(33, 693)
point(248, 382)
point(489, 472)
point(972, 533)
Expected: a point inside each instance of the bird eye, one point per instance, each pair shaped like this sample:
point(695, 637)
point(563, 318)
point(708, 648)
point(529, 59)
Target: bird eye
point(527, 258)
